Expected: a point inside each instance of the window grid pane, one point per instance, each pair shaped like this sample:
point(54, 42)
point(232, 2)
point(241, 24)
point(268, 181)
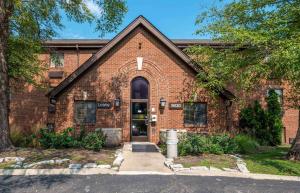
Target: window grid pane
point(85, 112)
point(195, 113)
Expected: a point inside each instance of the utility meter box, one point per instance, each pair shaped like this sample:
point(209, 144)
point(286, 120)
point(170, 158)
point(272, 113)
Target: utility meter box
point(153, 118)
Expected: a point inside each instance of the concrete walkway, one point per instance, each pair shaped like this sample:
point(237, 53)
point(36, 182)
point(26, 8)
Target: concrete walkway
point(142, 161)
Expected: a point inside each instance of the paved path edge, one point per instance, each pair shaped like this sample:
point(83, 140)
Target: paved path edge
point(95, 171)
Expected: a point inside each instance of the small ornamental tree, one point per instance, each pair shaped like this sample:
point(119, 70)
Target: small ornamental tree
point(264, 125)
point(274, 113)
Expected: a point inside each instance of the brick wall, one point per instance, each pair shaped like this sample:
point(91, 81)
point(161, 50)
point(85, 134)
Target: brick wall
point(168, 77)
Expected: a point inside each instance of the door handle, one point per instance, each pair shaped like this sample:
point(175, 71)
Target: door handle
point(146, 121)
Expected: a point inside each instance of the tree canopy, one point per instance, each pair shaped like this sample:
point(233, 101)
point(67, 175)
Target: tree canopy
point(262, 43)
point(33, 22)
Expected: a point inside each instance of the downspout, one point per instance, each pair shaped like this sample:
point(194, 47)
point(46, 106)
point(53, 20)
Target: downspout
point(77, 51)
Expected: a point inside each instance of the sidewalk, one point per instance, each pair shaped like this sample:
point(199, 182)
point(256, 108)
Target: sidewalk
point(143, 161)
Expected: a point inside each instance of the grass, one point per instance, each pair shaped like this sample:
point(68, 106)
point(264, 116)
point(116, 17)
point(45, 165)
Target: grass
point(6, 165)
point(82, 156)
point(272, 161)
point(218, 161)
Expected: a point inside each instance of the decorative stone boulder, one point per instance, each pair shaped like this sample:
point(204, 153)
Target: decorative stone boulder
point(113, 136)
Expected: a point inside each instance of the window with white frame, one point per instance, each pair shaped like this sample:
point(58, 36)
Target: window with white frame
point(56, 59)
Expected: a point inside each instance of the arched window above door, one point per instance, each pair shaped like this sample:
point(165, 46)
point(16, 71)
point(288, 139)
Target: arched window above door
point(139, 88)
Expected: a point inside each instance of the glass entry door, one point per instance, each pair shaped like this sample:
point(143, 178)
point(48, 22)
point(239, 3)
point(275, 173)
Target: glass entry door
point(139, 119)
point(139, 109)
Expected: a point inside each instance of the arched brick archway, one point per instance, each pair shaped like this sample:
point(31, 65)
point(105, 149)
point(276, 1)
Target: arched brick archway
point(158, 88)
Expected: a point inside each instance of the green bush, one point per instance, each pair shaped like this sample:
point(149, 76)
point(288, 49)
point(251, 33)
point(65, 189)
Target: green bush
point(94, 140)
point(246, 144)
point(21, 138)
point(195, 144)
point(64, 139)
point(263, 125)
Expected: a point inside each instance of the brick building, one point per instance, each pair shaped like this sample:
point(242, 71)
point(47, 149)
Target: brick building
point(139, 83)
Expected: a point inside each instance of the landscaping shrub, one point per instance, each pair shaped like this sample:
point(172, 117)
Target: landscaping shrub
point(263, 125)
point(22, 138)
point(94, 140)
point(274, 118)
point(195, 144)
point(246, 144)
point(49, 139)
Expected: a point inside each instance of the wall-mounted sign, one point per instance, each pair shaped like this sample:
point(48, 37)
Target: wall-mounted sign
point(103, 105)
point(175, 106)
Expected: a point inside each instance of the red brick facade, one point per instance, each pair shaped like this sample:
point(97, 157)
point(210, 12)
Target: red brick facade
point(168, 76)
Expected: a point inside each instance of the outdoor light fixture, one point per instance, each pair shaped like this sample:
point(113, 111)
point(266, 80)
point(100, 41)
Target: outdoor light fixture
point(117, 102)
point(162, 103)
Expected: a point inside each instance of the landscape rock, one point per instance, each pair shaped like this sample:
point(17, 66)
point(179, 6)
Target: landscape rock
point(45, 162)
point(75, 166)
point(168, 163)
point(60, 161)
point(214, 169)
point(118, 161)
point(115, 168)
point(181, 169)
point(242, 167)
point(230, 170)
point(203, 168)
point(90, 165)
point(104, 166)
point(1, 160)
point(19, 159)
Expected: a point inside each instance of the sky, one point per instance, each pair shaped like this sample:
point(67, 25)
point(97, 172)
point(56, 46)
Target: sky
point(174, 18)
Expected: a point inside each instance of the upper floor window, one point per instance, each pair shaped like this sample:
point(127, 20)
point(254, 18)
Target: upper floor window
point(85, 112)
point(56, 59)
point(279, 92)
point(195, 113)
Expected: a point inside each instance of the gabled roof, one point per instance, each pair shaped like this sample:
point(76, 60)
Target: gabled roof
point(139, 21)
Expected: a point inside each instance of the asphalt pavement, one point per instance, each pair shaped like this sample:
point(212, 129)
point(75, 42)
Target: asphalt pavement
point(142, 184)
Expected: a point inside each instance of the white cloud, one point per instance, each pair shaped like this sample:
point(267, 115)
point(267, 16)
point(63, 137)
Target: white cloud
point(93, 7)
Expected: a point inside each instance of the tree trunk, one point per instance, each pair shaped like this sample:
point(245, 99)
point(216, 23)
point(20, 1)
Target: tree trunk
point(5, 13)
point(294, 153)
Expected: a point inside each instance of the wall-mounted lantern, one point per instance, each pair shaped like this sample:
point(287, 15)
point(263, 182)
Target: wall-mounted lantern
point(52, 101)
point(162, 103)
point(117, 102)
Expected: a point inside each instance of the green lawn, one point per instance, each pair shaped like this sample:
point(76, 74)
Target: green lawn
point(272, 161)
point(218, 161)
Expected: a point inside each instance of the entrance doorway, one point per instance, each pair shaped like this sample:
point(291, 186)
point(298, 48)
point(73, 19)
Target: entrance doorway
point(139, 109)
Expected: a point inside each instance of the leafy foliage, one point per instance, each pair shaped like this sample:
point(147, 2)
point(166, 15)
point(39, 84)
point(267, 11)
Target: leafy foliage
point(263, 42)
point(263, 125)
point(67, 139)
point(195, 144)
point(33, 22)
point(94, 140)
point(246, 144)
point(64, 139)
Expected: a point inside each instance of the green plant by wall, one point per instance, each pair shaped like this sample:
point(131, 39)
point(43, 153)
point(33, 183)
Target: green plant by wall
point(49, 139)
point(195, 144)
point(274, 118)
point(94, 140)
point(246, 144)
point(263, 125)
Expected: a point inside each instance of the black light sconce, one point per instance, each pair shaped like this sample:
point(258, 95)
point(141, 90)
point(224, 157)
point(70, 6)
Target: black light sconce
point(52, 101)
point(162, 103)
point(117, 102)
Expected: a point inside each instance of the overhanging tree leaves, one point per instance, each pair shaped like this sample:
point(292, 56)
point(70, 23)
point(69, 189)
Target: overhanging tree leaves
point(264, 44)
point(25, 24)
